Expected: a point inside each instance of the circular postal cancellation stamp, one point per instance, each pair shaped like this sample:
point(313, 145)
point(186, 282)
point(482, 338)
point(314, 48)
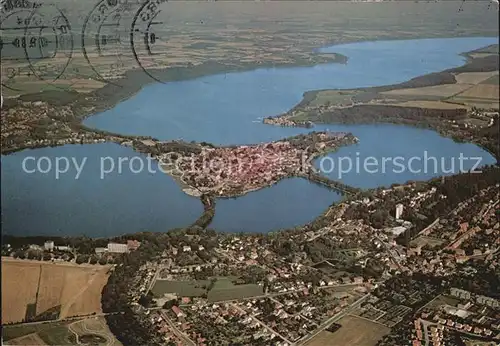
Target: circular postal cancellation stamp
point(145, 40)
point(104, 38)
point(36, 44)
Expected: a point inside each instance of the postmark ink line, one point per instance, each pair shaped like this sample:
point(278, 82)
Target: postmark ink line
point(31, 27)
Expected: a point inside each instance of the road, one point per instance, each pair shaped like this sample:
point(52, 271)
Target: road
point(274, 294)
point(333, 319)
point(63, 320)
point(434, 223)
point(388, 249)
point(100, 332)
point(426, 325)
point(185, 339)
point(155, 277)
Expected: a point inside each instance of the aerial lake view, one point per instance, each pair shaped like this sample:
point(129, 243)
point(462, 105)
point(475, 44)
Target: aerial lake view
point(227, 109)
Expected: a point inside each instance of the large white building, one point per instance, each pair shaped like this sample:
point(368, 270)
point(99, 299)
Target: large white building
point(49, 245)
point(399, 211)
point(116, 247)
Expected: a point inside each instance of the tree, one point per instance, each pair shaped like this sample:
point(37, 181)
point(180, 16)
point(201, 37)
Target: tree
point(31, 255)
point(81, 259)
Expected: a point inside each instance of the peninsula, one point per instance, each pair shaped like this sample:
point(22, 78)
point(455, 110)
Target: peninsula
point(461, 103)
point(203, 169)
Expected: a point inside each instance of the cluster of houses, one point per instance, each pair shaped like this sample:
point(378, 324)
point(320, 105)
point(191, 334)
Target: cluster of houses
point(243, 167)
point(475, 315)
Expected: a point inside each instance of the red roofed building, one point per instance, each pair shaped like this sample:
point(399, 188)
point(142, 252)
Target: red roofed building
point(133, 244)
point(178, 312)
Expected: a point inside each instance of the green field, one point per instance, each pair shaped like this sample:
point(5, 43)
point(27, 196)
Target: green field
point(442, 300)
point(49, 332)
point(338, 98)
point(223, 289)
point(58, 335)
point(234, 292)
point(193, 288)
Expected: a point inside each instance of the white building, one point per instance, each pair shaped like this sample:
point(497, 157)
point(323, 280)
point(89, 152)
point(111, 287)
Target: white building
point(397, 230)
point(117, 248)
point(186, 248)
point(101, 250)
point(49, 245)
point(399, 211)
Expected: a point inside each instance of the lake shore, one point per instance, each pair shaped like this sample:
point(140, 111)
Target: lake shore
point(373, 106)
point(74, 108)
point(410, 110)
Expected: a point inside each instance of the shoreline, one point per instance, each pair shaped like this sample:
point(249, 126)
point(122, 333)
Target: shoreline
point(121, 90)
point(428, 118)
point(184, 186)
point(128, 92)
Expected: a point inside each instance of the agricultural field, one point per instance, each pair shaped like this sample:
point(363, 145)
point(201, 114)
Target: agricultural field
point(354, 331)
point(338, 98)
point(430, 104)
point(492, 80)
point(473, 89)
point(31, 288)
point(481, 92)
point(484, 91)
point(200, 35)
point(443, 90)
point(474, 77)
point(19, 289)
point(90, 331)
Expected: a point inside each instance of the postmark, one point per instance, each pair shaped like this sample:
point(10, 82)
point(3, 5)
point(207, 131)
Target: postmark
point(145, 40)
point(36, 44)
point(103, 39)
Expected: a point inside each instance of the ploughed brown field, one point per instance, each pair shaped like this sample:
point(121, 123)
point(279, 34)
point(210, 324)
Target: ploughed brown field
point(31, 288)
point(354, 331)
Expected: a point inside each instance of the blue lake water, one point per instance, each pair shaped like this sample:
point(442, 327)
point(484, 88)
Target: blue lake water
point(225, 109)
point(121, 202)
point(289, 203)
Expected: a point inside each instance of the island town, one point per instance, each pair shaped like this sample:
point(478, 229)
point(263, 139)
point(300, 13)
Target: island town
point(233, 171)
